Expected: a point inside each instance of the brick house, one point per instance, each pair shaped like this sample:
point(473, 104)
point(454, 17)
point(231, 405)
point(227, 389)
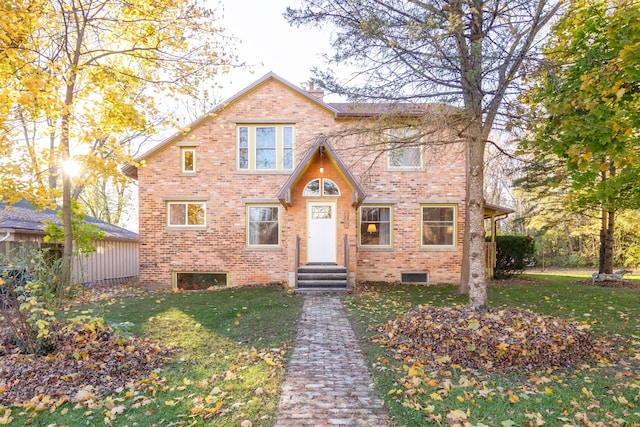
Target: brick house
point(275, 185)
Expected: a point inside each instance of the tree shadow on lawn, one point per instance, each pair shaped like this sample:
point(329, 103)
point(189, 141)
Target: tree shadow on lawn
point(230, 346)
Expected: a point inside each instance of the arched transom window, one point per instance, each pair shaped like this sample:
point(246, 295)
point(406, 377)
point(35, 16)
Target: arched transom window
point(321, 187)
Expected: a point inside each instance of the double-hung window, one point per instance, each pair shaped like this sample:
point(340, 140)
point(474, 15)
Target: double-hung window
point(263, 225)
point(184, 214)
point(375, 226)
point(438, 225)
point(404, 150)
point(265, 147)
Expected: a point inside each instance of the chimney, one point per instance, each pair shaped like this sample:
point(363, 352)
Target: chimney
point(318, 93)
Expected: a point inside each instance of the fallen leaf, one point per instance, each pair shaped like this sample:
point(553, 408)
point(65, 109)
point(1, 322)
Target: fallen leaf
point(117, 410)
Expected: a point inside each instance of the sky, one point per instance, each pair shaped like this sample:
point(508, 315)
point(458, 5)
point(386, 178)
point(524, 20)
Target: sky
point(269, 42)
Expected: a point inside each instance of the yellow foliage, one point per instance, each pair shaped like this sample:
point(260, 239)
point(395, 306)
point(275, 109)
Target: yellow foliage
point(100, 87)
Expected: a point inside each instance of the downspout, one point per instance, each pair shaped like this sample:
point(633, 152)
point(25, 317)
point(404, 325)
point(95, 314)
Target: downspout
point(6, 236)
point(495, 223)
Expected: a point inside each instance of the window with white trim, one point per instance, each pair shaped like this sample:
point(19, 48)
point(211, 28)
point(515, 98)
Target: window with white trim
point(321, 187)
point(404, 150)
point(438, 224)
point(184, 214)
point(263, 225)
point(265, 147)
point(188, 156)
point(375, 226)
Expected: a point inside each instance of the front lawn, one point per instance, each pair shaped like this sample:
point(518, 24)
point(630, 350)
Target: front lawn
point(227, 369)
point(591, 393)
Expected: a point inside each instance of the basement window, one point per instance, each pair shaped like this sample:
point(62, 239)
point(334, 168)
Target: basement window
point(415, 277)
point(197, 281)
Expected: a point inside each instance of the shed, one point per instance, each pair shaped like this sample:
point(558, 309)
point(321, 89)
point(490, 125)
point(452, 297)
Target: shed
point(115, 260)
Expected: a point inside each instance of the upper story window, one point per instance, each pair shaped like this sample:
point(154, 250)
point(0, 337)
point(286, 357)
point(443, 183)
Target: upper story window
point(321, 187)
point(182, 214)
point(404, 150)
point(265, 147)
point(375, 226)
point(438, 225)
point(188, 163)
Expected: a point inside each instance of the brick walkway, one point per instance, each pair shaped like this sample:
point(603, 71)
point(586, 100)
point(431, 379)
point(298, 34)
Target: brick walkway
point(327, 382)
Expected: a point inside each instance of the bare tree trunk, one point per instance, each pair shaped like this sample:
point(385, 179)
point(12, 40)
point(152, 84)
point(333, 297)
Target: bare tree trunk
point(476, 140)
point(463, 289)
point(475, 217)
point(67, 248)
point(603, 239)
point(608, 252)
point(65, 136)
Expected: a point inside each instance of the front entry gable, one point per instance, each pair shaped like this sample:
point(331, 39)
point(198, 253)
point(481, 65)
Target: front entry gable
point(321, 148)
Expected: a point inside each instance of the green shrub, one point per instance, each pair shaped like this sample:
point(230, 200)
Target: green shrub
point(512, 255)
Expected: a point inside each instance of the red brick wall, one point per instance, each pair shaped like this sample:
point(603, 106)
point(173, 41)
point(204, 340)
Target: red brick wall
point(221, 246)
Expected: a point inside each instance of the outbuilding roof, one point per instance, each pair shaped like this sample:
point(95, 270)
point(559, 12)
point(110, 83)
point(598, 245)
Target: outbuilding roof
point(24, 217)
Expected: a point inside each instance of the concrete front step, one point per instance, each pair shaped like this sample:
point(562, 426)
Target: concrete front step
point(324, 269)
point(310, 277)
point(322, 277)
point(322, 284)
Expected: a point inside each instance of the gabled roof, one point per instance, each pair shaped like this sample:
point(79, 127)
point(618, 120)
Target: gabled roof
point(343, 110)
point(132, 171)
point(321, 145)
point(23, 217)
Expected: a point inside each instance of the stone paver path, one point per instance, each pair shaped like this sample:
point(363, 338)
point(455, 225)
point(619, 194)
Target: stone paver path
point(327, 382)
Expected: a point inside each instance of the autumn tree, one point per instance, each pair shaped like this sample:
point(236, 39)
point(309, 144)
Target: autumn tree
point(468, 53)
point(585, 110)
point(79, 76)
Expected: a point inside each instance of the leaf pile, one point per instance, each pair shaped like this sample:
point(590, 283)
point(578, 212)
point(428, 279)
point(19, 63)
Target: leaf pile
point(503, 338)
point(91, 360)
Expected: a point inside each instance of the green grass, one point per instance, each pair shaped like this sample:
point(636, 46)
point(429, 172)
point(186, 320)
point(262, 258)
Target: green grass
point(590, 394)
point(223, 373)
point(224, 337)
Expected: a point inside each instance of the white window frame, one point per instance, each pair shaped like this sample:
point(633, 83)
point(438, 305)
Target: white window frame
point(360, 226)
point(183, 154)
point(454, 225)
point(186, 204)
point(403, 134)
point(248, 226)
point(251, 147)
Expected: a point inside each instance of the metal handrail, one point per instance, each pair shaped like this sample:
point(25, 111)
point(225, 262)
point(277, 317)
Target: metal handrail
point(297, 260)
point(346, 256)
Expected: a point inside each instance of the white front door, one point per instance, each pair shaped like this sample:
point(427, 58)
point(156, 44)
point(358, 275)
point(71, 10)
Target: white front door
point(321, 226)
